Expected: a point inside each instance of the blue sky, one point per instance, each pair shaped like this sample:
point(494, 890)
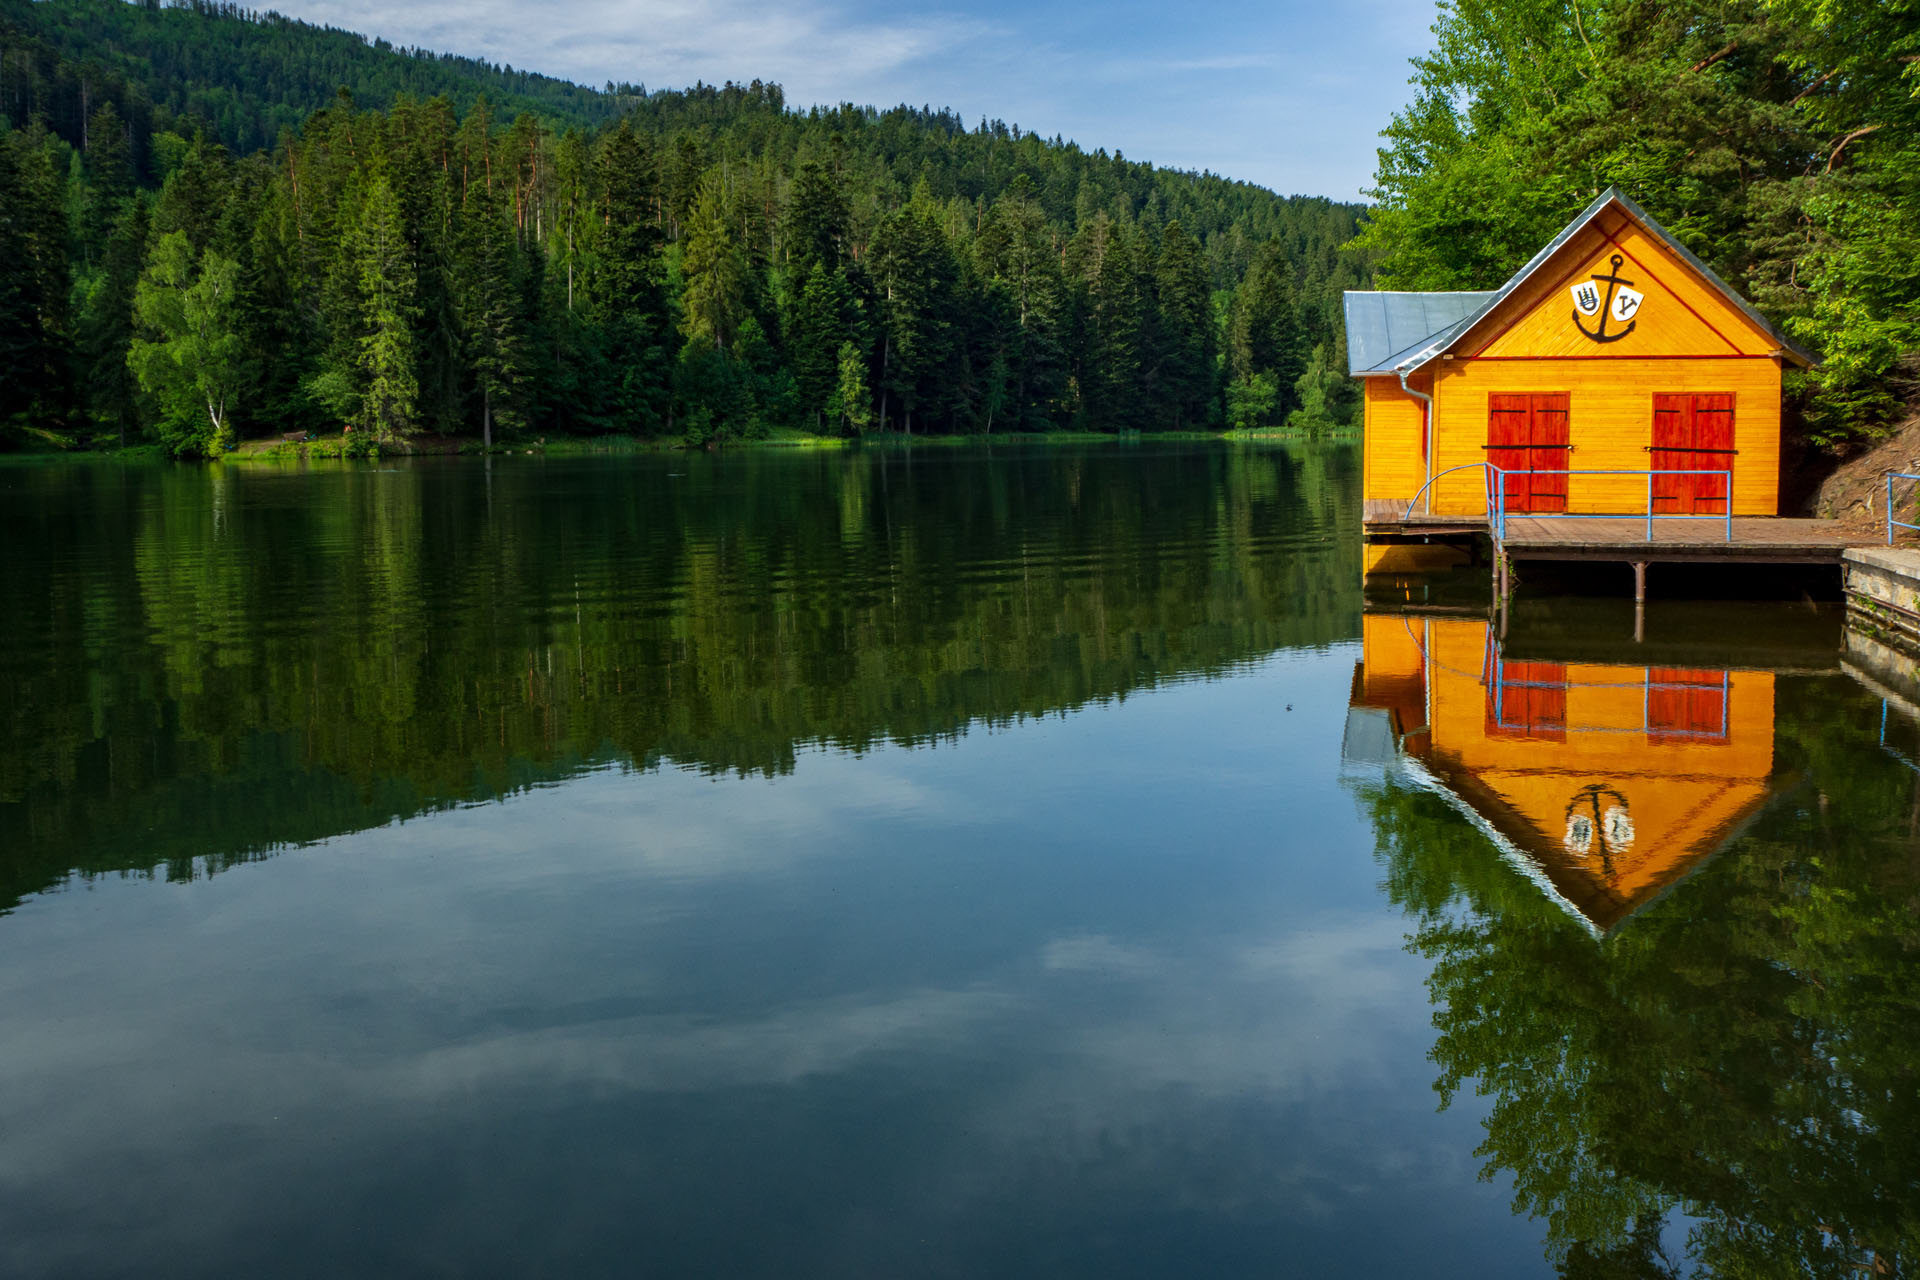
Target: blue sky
point(1290, 94)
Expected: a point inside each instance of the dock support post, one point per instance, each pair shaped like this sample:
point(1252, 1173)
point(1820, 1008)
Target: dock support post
point(1639, 601)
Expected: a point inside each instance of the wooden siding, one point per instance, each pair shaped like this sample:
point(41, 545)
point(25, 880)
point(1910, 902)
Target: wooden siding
point(1610, 409)
point(1687, 340)
point(1392, 441)
point(1682, 315)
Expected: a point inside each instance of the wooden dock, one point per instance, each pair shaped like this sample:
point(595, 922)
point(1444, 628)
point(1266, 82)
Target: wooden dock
point(1761, 539)
point(1624, 540)
point(1756, 540)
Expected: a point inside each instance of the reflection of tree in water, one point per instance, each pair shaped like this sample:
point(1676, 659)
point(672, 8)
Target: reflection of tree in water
point(1741, 1054)
point(202, 664)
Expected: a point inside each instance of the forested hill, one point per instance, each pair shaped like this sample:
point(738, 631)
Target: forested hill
point(243, 74)
point(222, 244)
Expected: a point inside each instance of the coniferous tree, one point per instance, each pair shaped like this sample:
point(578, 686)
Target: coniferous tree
point(109, 174)
point(1114, 370)
point(492, 329)
point(1267, 351)
point(915, 272)
point(383, 266)
point(1022, 267)
point(194, 199)
point(852, 404)
point(716, 297)
point(367, 294)
point(105, 326)
point(816, 225)
point(816, 330)
point(34, 282)
point(630, 302)
point(1186, 315)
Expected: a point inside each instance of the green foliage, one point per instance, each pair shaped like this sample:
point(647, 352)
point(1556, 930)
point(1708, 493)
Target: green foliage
point(851, 404)
point(1739, 1051)
point(35, 384)
point(190, 358)
point(1266, 344)
point(714, 301)
point(381, 263)
point(1252, 402)
point(684, 264)
point(1776, 138)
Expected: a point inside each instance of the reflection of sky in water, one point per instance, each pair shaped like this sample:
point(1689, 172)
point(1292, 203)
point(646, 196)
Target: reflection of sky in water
point(1115, 993)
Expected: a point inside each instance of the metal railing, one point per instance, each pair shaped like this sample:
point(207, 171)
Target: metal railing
point(1495, 489)
point(1483, 467)
point(1892, 524)
point(1497, 480)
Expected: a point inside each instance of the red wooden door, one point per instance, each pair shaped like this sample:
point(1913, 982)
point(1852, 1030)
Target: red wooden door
point(1692, 432)
point(1527, 438)
point(1686, 705)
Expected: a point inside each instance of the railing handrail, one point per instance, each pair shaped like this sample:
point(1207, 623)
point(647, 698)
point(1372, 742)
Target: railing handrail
point(1468, 466)
point(1497, 499)
point(1496, 495)
point(1891, 522)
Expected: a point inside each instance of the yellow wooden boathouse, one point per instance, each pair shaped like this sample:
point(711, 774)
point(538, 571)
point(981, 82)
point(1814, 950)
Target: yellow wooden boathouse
point(1615, 371)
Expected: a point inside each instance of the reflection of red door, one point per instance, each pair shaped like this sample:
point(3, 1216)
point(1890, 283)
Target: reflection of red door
point(1686, 705)
point(1692, 432)
point(1527, 439)
point(1527, 700)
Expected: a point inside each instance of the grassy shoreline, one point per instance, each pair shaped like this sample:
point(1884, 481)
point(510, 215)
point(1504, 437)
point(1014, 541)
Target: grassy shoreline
point(47, 446)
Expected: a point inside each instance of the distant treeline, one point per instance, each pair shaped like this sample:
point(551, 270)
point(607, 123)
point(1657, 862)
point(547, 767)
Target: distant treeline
point(703, 263)
point(1780, 139)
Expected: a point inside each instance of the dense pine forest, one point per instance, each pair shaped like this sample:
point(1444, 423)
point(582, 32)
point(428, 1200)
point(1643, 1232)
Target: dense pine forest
point(222, 225)
point(1780, 139)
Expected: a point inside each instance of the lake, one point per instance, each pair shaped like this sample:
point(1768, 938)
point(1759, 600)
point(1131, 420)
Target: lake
point(1016, 861)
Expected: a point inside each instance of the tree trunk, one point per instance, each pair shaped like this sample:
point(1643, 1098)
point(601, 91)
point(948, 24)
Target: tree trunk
point(486, 416)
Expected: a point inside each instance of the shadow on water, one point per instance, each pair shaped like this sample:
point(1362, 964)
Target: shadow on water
point(1669, 894)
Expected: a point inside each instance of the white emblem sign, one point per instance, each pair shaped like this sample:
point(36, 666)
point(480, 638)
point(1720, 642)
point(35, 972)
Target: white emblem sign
point(1586, 298)
point(1626, 304)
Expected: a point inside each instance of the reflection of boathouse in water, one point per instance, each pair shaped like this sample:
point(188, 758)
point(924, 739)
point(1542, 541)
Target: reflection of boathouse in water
point(1605, 783)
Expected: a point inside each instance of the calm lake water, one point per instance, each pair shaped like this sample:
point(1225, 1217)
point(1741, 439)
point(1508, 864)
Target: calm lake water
point(1028, 862)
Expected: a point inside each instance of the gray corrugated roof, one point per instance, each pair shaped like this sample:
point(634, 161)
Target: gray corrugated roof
point(1385, 327)
point(1417, 352)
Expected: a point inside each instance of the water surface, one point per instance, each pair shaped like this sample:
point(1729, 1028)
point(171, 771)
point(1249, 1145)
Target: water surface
point(956, 862)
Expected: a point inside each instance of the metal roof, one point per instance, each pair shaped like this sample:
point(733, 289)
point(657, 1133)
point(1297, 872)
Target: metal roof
point(1476, 307)
point(1386, 327)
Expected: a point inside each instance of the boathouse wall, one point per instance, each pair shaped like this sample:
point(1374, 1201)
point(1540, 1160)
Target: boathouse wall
point(1393, 449)
point(1545, 341)
point(1610, 404)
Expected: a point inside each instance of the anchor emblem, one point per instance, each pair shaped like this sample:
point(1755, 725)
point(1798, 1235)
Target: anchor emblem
point(1620, 304)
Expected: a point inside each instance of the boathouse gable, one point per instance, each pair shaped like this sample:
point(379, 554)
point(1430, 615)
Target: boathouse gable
point(1613, 350)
